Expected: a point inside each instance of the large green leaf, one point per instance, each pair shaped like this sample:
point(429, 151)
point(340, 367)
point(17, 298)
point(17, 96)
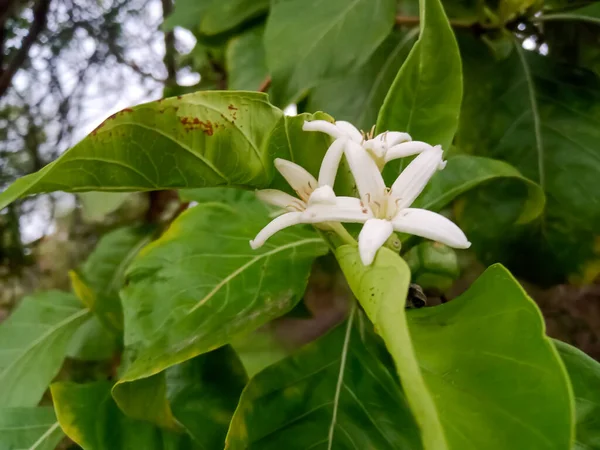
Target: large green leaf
point(368, 86)
point(201, 284)
point(29, 429)
point(89, 416)
point(102, 275)
point(584, 373)
point(33, 343)
point(478, 371)
point(335, 393)
point(186, 14)
point(309, 41)
point(425, 98)
point(245, 59)
point(224, 15)
point(196, 140)
point(544, 121)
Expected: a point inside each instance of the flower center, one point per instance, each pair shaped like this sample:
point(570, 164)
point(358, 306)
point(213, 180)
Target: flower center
point(383, 206)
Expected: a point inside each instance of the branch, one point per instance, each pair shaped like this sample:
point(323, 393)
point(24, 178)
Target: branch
point(169, 59)
point(265, 84)
point(40, 14)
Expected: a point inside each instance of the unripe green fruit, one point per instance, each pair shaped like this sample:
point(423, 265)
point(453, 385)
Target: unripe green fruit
point(434, 266)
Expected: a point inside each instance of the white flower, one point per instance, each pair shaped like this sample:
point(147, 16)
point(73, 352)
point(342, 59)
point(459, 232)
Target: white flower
point(383, 148)
point(316, 204)
point(382, 210)
point(390, 207)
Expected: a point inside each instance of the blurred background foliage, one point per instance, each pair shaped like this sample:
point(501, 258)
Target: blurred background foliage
point(65, 65)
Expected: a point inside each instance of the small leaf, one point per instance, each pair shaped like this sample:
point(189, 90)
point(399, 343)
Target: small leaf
point(92, 342)
point(309, 41)
point(200, 284)
point(29, 429)
point(89, 416)
point(584, 373)
point(589, 13)
point(425, 98)
point(33, 343)
point(197, 140)
point(333, 393)
point(245, 59)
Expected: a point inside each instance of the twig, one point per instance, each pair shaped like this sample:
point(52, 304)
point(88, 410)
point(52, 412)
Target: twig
point(169, 59)
point(40, 13)
point(265, 84)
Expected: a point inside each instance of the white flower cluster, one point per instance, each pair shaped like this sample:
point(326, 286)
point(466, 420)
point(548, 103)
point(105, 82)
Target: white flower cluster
point(383, 210)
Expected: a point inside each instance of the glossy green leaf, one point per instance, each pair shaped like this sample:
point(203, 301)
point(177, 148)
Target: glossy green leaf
point(33, 343)
point(478, 371)
point(425, 98)
point(368, 86)
point(29, 429)
point(89, 416)
point(584, 373)
point(589, 13)
point(258, 350)
point(543, 120)
point(203, 139)
point(245, 59)
point(381, 290)
point(335, 393)
point(201, 284)
point(224, 15)
point(102, 275)
point(186, 14)
point(309, 41)
point(464, 173)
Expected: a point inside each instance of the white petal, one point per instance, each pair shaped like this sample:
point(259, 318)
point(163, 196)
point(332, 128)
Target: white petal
point(350, 131)
point(369, 181)
point(331, 162)
point(391, 138)
point(345, 209)
point(281, 199)
point(406, 149)
point(277, 224)
point(325, 127)
point(297, 177)
point(415, 177)
point(323, 195)
point(430, 225)
point(372, 236)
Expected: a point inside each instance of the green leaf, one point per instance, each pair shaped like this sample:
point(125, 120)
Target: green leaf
point(245, 59)
point(29, 429)
point(463, 173)
point(368, 86)
point(186, 14)
point(425, 98)
point(334, 393)
point(33, 343)
point(95, 206)
point(584, 373)
point(93, 342)
point(90, 417)
point(201, 284)
point(309, 41)
point(196, 140)
point(258, 350)
point(478, 371)
point(589, 13)
point(224, 15)
point(102, 275)
point(381, 290)
point(542, 118)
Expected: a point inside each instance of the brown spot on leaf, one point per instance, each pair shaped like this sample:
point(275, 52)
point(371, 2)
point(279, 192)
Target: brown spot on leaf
point(193, 123)
point(231, 108)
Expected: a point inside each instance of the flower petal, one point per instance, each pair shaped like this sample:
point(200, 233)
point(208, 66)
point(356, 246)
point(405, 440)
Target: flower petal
point(350, 131)
point(430, 225)
point(331, 162)
point(323, 195)
point(281, 199)
point(325, 127)
point(275, 225)
point(391, 138)
point(372, 236)
point(406, 149)
point(369, 181)
point(345, 209)
point(297, 177)
point(415, 177)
